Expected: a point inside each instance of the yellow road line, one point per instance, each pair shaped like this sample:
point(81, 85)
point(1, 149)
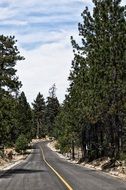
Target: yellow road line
point(60, 177)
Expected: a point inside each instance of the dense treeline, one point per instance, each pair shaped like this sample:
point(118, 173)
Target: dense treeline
point(93, 115)
point(15, 112)
point(18, 121)
point(45, 113)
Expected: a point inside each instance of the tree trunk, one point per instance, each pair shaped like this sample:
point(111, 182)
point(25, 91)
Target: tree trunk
point(37, 133)
point(73, 150)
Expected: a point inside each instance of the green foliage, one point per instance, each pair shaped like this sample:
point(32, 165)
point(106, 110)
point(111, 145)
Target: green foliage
point(1, 154)
point(45, 114)
point(39, 116)
point(64, 144)
point(122, 156)
point(21, 144)
point(9, 55)
point(9, 86)
point(52, 109)
point(15, 112)
point(7, 118)
point(94, 109)
point(24, 116)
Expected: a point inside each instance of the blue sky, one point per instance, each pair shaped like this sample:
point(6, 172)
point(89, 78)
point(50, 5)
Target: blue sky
point(43, 29)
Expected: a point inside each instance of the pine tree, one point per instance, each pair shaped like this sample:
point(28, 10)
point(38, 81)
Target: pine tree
point(39, 116)
point(25, 117)
point(8, 120)
point(98, 83)
point(52, 109)
point(104, 49)
point(9, 86)
point(9, 55)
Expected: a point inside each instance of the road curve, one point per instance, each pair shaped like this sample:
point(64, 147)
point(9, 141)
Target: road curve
point(35, 174)
point(80, 178)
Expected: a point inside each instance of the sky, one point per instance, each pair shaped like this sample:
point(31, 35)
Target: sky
point(43, 29)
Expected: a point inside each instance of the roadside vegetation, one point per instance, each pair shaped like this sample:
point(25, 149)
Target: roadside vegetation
point(20, 122)
point(93, 115)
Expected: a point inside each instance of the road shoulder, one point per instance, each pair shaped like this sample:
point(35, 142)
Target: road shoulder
point(111, 172)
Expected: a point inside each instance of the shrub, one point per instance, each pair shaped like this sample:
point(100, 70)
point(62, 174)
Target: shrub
point(1, 154)
point(57, 146)
point(123, 156)
point(21, 144)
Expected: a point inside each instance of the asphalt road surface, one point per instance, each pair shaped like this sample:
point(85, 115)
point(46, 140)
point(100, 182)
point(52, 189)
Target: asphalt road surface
point(39, 172)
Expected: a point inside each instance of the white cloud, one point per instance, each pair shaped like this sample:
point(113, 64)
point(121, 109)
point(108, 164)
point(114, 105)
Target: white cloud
point(43, 29)
point(44, 66)
point(49, 62)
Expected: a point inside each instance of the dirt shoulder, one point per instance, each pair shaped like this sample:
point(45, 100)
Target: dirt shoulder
point(6, 164)
point(16, 158)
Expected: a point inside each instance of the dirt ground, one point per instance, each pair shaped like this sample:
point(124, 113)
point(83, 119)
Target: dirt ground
point(11, 157)
point(6, 163)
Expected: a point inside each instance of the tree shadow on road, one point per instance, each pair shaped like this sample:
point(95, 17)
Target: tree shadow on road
point(11, 172)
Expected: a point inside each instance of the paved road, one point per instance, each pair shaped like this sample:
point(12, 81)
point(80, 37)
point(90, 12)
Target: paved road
point(34, 174)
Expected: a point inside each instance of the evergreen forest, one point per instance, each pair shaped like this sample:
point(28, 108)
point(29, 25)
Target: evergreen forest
point(93, 114)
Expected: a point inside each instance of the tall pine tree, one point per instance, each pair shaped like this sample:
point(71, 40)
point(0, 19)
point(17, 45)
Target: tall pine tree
point(52, 109)
point(25, 117)
point(9, 55)
point(9, 86)
point(39, 116)
point(98, 84)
